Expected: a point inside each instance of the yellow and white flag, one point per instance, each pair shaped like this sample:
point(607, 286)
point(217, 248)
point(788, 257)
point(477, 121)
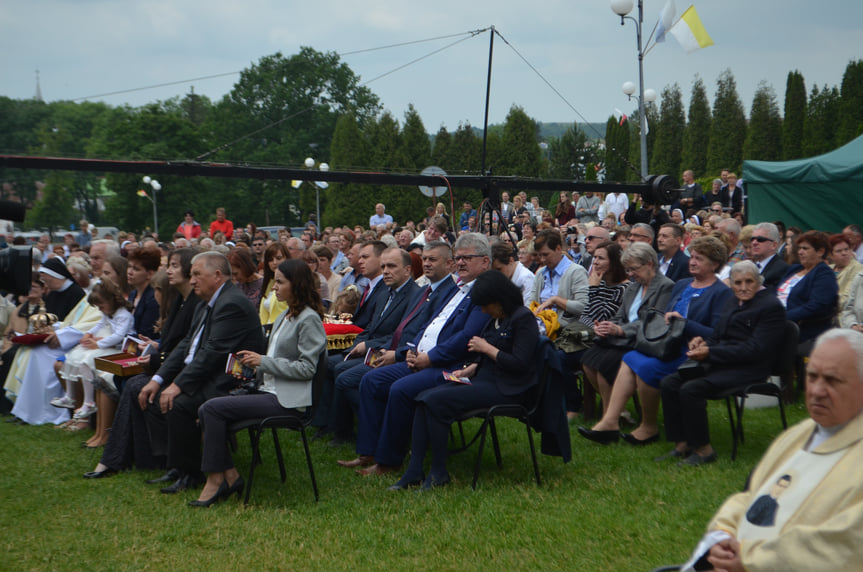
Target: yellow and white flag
point(690, 32)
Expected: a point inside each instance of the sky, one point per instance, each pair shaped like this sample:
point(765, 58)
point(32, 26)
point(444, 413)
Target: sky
point(84, 48)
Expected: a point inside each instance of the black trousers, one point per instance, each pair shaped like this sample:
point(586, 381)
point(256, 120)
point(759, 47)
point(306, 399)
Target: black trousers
point(180, 425)
point(684, 404)
point(217, 414)
point(129, 440)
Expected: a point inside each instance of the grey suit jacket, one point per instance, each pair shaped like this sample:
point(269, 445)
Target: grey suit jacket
point(300, 342)
point(573, 286)
point(657, 296)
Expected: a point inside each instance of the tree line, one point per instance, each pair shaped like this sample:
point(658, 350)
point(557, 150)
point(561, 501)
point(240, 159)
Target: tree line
point(286, 108)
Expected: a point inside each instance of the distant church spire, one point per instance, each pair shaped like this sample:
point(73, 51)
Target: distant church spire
point(38, 96)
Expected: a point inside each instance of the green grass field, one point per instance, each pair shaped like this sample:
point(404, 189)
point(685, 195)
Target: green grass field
point(611, 508)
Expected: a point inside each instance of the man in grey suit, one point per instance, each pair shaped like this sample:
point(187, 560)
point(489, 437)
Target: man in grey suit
point(195, 371)
point(347, 369)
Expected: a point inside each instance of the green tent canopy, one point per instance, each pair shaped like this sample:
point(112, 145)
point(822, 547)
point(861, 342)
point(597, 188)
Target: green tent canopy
point(823, 192)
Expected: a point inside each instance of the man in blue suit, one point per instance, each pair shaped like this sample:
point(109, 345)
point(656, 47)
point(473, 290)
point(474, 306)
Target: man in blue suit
point(396, 275)
point(387, 393)
point(673, 262)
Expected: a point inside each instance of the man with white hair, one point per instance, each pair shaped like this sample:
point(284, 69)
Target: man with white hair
point(803, 506)
point(731, 229)
point(765, 244)
point(380, 217)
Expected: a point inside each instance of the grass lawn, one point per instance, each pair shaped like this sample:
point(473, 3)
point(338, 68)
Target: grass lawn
point(611, 508)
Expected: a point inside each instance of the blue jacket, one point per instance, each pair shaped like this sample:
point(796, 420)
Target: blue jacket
point(812, 301)
point(466, 321)
point(705, 311)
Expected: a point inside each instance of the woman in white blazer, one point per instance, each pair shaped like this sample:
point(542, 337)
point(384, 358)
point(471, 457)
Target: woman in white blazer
point(286, 370)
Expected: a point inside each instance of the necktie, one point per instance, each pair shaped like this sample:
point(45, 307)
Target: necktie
point(398, 333)
point(365, 293)
point(389, 300)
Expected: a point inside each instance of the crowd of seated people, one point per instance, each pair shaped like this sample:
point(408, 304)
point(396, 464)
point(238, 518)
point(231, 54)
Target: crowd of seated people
point(410, 291)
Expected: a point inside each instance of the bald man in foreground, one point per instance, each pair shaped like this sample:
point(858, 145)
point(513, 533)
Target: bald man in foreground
point(803, 508)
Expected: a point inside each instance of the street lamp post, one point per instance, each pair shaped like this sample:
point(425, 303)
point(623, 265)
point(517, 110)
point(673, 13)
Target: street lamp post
point(154, 184)
point(323, 167)
point(622, 8)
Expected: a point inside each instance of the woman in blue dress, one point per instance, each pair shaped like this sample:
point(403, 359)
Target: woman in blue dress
point(699, 300)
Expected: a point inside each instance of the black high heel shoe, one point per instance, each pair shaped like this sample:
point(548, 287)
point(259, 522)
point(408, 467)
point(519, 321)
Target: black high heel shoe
point(237, 487)
point(603, 437)
point(223, 489)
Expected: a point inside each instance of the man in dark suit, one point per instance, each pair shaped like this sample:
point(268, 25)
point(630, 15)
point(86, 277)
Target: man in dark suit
point(369, 265)
point(396, 275)
point(765, 244)
point(224, 323)
point(387, 393)
point(673, 262)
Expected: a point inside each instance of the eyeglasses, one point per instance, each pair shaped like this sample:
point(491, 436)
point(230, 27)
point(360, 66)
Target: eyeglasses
point(632, 269)
point(641, 236)
point(588, 237)
point(465, 257)
point(716, 210)
point(760, 239)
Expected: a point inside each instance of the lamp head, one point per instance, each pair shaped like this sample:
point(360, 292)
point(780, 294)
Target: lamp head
point(309, 162)
point(649, 95)
point(324, 167)
point(621, 7)
point(628, 88)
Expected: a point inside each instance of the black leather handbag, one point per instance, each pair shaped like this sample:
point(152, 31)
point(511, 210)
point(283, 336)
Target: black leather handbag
point(657, 339)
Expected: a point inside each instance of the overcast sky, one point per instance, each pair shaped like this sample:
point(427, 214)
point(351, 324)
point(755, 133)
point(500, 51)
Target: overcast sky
point(89, 47)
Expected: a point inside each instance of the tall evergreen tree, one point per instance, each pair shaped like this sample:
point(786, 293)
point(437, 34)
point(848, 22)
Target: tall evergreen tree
point(442, 148)
point(347, 151)
point(851, 108)
point(521, 154)
point(668, 148)
point(616, 150)
point(795, 116)
point(764, 136)
point(696, 138)
point(464, 157)
point(822, 121)
point(566, 151)
point(651, 111)
point(728, 129)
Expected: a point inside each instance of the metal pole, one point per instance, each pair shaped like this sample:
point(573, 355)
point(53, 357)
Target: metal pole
point(487, 96)
point(317, 210)
point(641, 107)
point(155, 215)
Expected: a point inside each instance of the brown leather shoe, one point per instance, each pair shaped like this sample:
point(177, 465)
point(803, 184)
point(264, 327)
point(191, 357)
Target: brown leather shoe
point(377, 469)
point(361, 461)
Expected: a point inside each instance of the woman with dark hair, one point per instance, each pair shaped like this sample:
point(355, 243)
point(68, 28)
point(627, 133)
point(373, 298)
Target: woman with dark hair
point(809, 290)
point(143, 263)
point(271, 307)
point(245, 274)
point(287, 370)
point(115, 270)
point(607, 280)
point(564, 211)
point(129, 440)
point(504, 370)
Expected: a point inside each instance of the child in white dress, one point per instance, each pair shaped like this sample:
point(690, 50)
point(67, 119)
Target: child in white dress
point(104, 338)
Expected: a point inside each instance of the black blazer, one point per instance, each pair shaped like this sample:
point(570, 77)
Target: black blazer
point(387, 318)
point(233, 326)
point(146, 312)
point(774, 272)
point(365, 312)
point(176, 326)
point(745, 337)
point(516, 367)
point(678, 268)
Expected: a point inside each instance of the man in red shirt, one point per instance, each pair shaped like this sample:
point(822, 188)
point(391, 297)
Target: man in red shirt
point(222, 224)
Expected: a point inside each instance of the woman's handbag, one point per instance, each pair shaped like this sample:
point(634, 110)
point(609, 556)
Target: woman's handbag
point(657, 339)
point(575, 337)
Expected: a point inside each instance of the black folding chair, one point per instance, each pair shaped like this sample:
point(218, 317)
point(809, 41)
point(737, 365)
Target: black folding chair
point(293, 422)
point(522, 412)
point(784, 366)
